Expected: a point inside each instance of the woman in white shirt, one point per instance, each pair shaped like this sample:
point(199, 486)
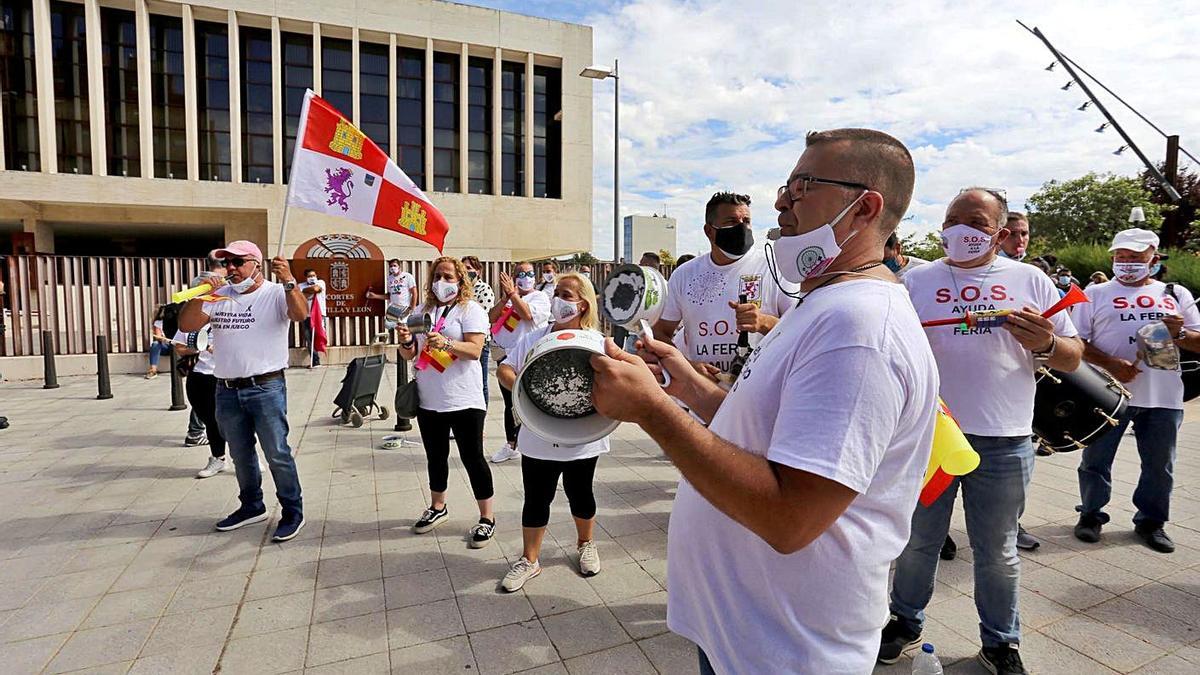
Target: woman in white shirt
point(542, 462)
point(450, 389)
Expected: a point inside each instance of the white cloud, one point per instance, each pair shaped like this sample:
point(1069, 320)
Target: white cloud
point(718, 95)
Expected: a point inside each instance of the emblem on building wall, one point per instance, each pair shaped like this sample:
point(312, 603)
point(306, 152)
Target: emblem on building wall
point(339, 275)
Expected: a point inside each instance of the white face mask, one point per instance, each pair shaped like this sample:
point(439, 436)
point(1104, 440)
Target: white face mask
point(963, 243)
point(563, 310)
point(548, 277)
point(445, 291)
point(312, 280)
point(1131, 272)
point(245, 284)
point(804, 256)
point(394, 270)
point(525, 283)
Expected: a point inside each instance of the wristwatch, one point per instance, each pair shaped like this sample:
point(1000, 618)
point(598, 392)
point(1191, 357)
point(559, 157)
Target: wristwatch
point(289, 286)
point(1182, 335)
point(1049, 353)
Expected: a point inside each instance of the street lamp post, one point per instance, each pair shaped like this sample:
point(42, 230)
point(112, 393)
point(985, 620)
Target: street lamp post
point(603, 73)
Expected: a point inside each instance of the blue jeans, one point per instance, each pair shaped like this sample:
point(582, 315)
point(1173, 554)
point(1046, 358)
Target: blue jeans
point(993, 498)
point(195, 424)
point(1155, 430)
point(261, 411)
point(483, 361)
point(158, 349)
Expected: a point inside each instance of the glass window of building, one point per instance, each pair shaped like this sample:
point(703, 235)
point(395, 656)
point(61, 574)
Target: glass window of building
point(166, 96)
point(373, 92)
point(445, 122)
point(119, 54)
point(547, 132)
point(297, 77)
point(512, 125)
point(72, 127)
point(337, 81)
point(212, 101)
point(18, 90)
point(258, 139)
point(410, 113)
point(479, 125)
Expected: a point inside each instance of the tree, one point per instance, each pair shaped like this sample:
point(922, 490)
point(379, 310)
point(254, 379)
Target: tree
point(1185, 232)
point(583, 258)
point(925, 247)
point(666, 258)
point(1089, 209)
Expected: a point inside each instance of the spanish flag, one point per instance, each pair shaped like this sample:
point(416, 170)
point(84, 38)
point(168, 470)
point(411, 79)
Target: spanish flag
point(440, 359)
point(508, 320)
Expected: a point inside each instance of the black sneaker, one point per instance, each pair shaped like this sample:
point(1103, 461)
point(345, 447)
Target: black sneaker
point(192, 441)
point(241, 518)
point(430, 519)
point(1026, 541)
point(482, 533)
point(1002, 660)
point(1088, 529)
point(289, 526)
point(896, 639)
point(1155, 538)
point(949, 549)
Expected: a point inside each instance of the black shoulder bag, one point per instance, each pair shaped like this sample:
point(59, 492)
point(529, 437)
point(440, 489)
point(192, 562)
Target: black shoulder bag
point(1189, 361)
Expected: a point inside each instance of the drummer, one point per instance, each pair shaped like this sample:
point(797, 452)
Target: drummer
point(1109, 325)
point(987, 381)
point(543, 461)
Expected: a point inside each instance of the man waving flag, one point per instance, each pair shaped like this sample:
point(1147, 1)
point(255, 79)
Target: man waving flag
point(337, 170)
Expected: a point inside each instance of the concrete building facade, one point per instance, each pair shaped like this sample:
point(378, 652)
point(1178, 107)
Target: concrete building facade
point(648, 233)
point(159, 127)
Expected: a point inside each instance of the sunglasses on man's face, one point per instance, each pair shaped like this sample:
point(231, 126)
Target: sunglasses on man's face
point(529, 274)
point(236, 262)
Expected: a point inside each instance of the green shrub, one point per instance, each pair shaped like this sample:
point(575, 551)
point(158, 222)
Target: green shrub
point(1182, 267)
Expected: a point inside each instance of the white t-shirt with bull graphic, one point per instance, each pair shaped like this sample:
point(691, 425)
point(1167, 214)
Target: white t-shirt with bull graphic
point(698, 296)
point(987, 376)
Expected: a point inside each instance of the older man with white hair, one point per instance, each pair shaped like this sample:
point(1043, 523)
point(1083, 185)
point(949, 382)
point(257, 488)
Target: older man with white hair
point(1109, 324)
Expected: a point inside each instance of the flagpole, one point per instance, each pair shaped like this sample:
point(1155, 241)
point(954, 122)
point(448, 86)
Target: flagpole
point(287, 199)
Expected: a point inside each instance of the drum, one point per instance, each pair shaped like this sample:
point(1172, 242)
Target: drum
point(1071, 410)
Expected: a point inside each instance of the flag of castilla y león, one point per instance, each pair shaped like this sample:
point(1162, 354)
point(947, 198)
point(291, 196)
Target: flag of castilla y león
point(338, 170)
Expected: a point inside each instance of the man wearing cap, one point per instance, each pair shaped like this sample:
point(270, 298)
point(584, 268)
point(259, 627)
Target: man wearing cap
point(250, 318)
point(1109, 324)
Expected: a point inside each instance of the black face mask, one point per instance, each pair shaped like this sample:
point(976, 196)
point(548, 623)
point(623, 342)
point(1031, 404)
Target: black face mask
point(734, 241)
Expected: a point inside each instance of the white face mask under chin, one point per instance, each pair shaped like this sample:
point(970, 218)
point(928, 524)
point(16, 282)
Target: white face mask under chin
point(245, 284)
point(807, 255)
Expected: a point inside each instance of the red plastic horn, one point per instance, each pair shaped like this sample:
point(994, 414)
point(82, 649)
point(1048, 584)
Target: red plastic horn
point(1074, 296)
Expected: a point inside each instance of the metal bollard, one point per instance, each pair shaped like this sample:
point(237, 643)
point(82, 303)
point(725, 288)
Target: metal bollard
point(51, 374)
point(177, 398)
point(103, 378)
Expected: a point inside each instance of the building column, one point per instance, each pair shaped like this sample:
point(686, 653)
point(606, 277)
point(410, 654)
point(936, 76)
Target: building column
point(277, 100)
point(528, 135)
point(235, 99)
point(43, 234)
point(190, 113)
point(44, 68)
point(95, 70)
point(429, 114)
point(145, 92)
point(354, 87)
point(497, 99)
point(464, 125)
point(392, 96)
point(316, 59)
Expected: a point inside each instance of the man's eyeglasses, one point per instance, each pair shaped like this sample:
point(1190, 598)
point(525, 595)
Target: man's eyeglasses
point(797, 187)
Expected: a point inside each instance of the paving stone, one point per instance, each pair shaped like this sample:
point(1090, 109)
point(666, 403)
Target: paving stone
point(512, 648)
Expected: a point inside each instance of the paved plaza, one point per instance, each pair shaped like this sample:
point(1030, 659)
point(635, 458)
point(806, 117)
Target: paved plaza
point(109, 563)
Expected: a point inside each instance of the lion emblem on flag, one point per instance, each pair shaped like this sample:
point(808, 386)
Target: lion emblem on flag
point(339, 186)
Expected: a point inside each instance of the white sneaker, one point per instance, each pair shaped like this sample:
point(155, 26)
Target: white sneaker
point(505, 453)
point(589, 559)
point(520, 572)
point(215, 466)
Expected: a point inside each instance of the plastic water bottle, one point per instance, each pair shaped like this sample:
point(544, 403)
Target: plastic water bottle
point(925, 662)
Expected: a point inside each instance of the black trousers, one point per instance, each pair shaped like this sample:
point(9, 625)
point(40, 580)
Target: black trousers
point(540, 479)
point(202, 395)
point(510, 422)
point(468, 434)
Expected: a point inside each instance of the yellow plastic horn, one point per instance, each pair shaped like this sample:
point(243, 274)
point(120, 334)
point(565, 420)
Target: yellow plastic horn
point(951, 455)
point(188, 294)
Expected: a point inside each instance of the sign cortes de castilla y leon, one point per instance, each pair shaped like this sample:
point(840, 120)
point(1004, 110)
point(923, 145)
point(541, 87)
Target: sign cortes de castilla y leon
point(349, 265)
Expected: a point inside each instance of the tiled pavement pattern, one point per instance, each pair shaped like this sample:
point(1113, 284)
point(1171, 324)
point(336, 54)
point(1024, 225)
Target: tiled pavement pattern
point(108, 561)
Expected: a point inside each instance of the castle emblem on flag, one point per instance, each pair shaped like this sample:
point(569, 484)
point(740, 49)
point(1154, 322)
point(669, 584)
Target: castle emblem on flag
point(338, 186)
point(412, 217)
point(347, 140)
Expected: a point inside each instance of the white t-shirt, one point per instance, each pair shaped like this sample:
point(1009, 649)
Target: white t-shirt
point(252, 329)
point(320, 296)
point(987, 376)
point(530, 443)
point(698, 296)
point(204, 362)
point(399, 288)
point(845, 387)
point(461, 385)
point(1111, 320)
point(909, 263)
point(539, 308)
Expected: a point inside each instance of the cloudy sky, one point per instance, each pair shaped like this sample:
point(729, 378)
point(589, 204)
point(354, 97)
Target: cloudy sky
point(718, 95)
